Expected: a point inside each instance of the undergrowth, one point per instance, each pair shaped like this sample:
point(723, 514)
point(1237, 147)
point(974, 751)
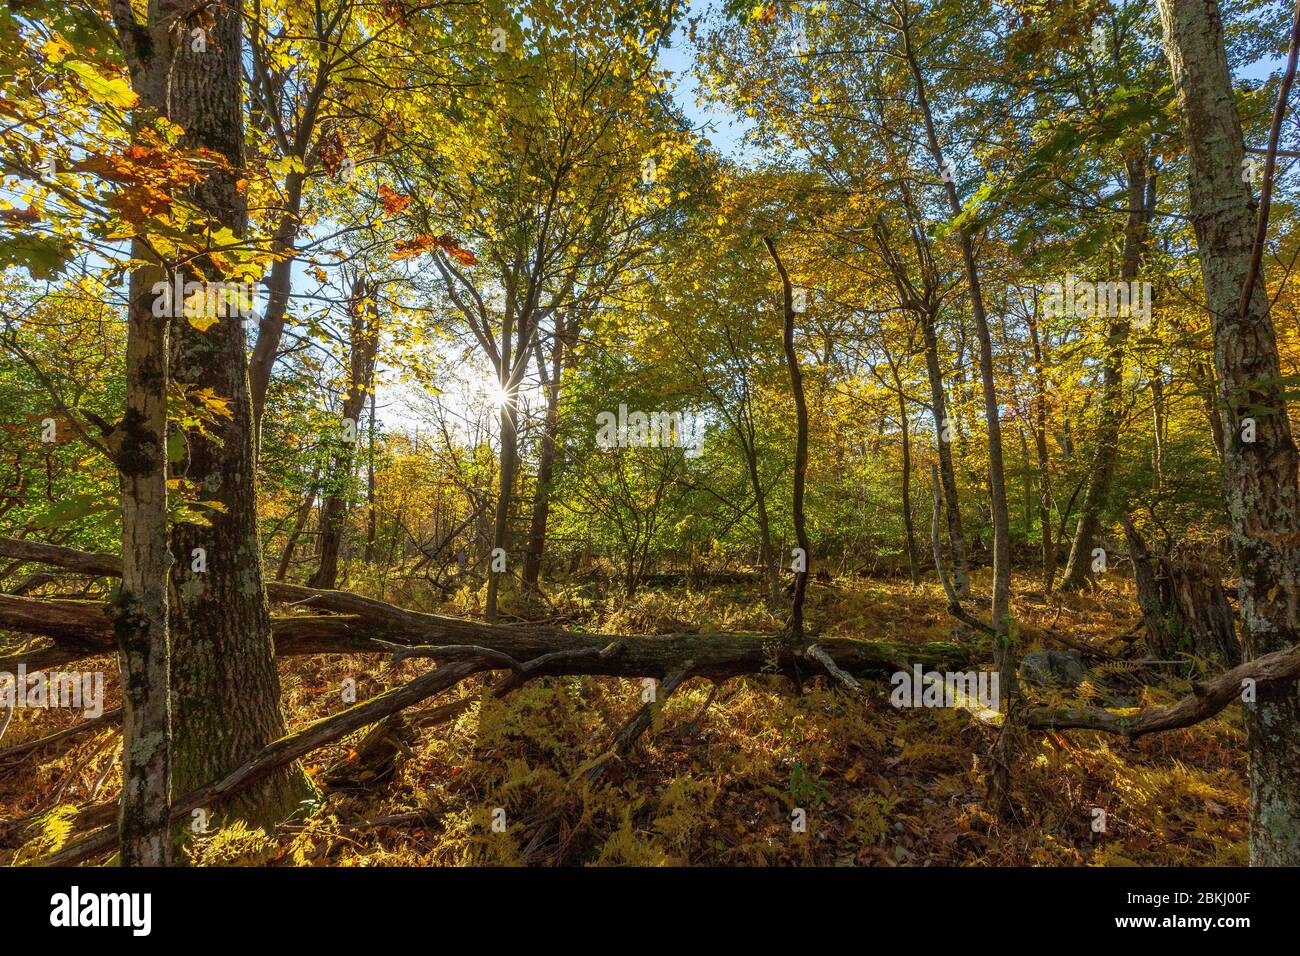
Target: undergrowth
point(876, 786)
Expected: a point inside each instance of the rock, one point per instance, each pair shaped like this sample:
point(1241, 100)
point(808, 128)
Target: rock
point(1052, 668)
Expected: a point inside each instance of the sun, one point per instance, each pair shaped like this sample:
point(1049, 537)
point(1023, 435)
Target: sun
point(493, 391)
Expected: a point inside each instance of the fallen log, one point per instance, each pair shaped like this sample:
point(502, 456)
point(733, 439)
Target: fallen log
point(97, 565)
point(80, 630)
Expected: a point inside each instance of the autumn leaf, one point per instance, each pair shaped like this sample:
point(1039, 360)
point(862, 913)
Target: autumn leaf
point(461, 255)
point(213, 402)
point(392, 202)
point(114, 91)
point(410, 248)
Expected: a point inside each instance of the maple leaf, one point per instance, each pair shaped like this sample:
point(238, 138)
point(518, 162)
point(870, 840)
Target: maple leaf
point(457, 252)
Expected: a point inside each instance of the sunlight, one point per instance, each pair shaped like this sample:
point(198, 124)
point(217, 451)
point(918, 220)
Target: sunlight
point(493, 391)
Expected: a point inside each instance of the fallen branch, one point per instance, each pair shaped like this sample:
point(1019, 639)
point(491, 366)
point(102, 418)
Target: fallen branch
point(640, 722)
point(107, 719)
point(288, 749)
point(316, 735)
point(818, 653)
point(622, 743)
point(1207, 699)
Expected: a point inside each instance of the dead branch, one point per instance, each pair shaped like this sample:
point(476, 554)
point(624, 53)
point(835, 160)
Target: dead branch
point(1207, 699)
point(287, 749)
point(107, 719)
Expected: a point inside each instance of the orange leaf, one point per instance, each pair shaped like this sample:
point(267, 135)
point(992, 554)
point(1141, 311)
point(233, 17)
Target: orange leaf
point(393, 202)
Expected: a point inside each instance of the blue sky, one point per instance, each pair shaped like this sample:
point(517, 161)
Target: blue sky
point(726, 129)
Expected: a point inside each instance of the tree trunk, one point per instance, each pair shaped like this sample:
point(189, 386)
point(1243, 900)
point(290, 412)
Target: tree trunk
point(947, 473)
point(1158, 430)
point(801, 444)
point(509, 462)
point(1097, 493)
point(1184, 606)
point(1259, 476)
point(279, 284)
point(360, 380)
point(139, 611)
point(766, 551)
point(913, 560)
point(1205, 385)
point(546, 464)
point(138, 444)
point(225, 688)
point(999, 777)
point(372, 516)
point(1040, 449)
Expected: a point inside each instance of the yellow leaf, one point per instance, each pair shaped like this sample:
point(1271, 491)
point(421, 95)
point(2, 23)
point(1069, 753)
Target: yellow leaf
point(111, 90)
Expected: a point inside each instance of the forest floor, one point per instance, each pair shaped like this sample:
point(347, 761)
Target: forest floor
point(880, 786)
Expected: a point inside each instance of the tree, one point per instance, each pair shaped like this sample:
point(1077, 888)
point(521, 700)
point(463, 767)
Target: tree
point(1259, 453)
point(222, 660)
point(363, 341)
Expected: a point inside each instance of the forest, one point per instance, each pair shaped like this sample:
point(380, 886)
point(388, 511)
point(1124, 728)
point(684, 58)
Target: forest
point(649, 433)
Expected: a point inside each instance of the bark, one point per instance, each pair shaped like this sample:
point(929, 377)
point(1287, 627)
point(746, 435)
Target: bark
point(947, 473)
point(140, 608)
point(1260, 476)
point(1184, 606)
point(225, 688)
point(139, 449)
point(913, 559)
point(361, 371)
point(1097, 493)
point(1276, 671)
